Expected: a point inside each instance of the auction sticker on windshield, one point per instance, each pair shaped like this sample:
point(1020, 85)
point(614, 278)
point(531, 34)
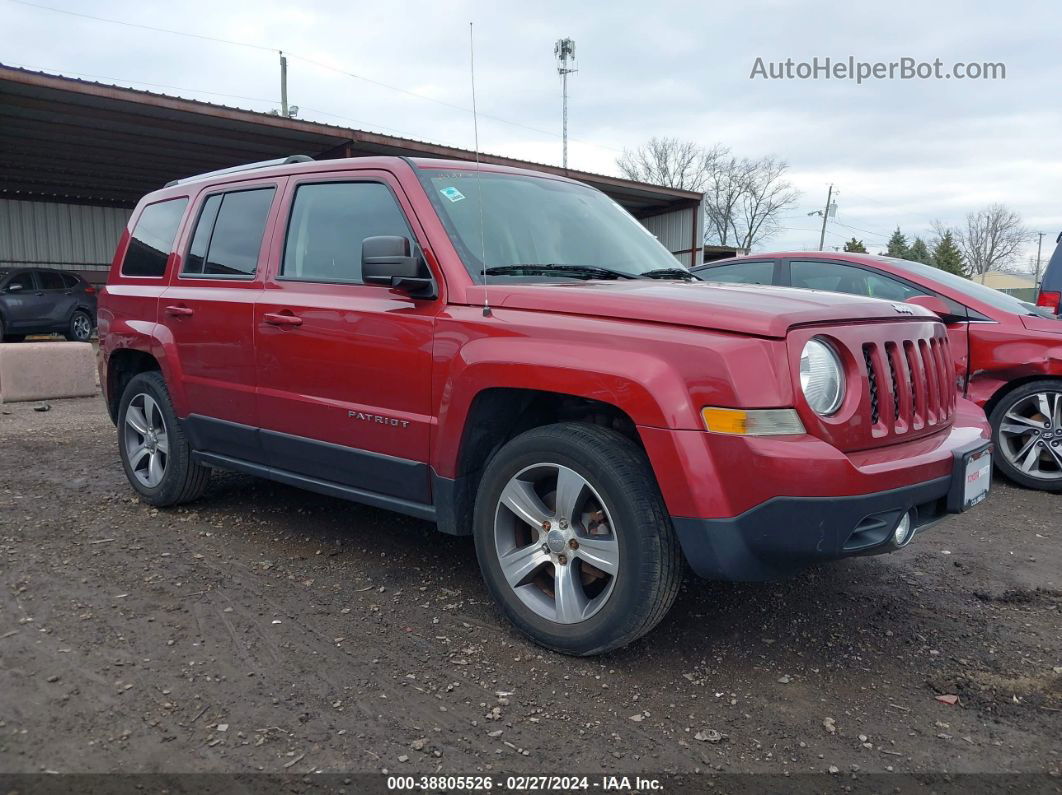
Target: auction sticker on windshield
point(453, 194)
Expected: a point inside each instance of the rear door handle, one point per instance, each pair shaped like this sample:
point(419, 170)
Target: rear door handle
point(179, 311)
point(281, 319)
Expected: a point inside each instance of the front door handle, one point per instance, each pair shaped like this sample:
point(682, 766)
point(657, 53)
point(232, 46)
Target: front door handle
point(179, 311)
point(281, 319)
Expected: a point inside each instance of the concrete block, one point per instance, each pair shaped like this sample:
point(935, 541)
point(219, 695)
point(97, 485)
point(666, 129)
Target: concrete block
point(46, 370)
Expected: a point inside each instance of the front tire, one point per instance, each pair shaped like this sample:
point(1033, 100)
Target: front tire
point(80, 327)
point(154, 451)
point(573, 539)
point(1027, 431)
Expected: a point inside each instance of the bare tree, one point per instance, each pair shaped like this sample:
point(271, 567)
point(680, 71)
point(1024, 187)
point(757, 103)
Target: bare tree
point(671, 162)
point(991, 238)
point(742, 198)
point(766, 195)
point(723, 197)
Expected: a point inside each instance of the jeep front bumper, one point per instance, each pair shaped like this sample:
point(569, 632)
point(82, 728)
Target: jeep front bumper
point(786, 534)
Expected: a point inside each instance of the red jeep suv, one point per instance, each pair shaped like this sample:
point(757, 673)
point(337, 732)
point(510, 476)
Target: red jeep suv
point(511, 355)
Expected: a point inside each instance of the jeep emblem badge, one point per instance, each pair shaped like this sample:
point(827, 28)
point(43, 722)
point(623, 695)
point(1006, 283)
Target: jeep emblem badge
point(903, 309)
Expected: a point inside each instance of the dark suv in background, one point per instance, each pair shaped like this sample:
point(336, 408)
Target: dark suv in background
point(45, 301)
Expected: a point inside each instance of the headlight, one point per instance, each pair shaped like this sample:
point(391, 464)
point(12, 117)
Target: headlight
point(821, 377)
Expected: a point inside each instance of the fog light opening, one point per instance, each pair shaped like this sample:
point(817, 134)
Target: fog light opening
point(904, 531)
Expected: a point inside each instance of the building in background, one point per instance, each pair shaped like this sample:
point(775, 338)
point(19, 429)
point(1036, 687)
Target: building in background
point(1020, 286)
point(713, 253)
point(76, 156)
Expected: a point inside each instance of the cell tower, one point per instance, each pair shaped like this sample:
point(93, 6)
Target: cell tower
point(564, 50)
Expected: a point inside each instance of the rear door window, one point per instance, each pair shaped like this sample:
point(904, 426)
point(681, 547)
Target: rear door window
point(761, 272)
point(70, 281)
point(51, 280)
point(152, 238)
point(329, 221)
point(228, 235)
point(838, 277)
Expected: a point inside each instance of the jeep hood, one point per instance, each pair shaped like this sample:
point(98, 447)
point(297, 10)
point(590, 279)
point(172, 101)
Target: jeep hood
point(744, 309)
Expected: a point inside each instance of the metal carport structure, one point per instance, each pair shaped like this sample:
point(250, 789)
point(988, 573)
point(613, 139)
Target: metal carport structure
point(76, 155)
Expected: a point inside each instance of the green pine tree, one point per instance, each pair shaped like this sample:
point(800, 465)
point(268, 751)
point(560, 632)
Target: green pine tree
point(855, 246)
point(946, 255)
point(897, 246)
point(919, 252)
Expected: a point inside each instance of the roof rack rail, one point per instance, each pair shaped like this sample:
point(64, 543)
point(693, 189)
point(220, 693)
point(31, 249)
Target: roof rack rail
point(280, 161)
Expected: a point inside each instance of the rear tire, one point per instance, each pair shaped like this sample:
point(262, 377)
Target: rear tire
point(5, 337)
point(80, 327)
point(610, 511)
point(155, 453)
point(1027, 431)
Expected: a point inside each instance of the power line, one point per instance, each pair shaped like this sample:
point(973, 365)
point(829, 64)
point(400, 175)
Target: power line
point(144, 27)
point(305, 59)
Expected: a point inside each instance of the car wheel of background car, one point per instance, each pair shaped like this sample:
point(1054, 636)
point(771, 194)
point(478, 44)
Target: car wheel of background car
point(9, 337)
point(1027, 425)
point(80, 329)
point(154, 451)
point(573, 538)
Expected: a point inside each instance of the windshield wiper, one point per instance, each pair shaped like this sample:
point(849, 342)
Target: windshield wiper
point(532, 269)
point(671, 273)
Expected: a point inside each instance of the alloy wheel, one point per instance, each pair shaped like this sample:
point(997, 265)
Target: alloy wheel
point(556, 543)
point(1030, 435)
point(147, 444)
point(82, 326)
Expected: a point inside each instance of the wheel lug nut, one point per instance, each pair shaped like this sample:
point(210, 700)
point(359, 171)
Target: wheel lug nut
point(564, 524)
point(546, 524)
point(573, 544)
point(562, 559)
point(545, 548)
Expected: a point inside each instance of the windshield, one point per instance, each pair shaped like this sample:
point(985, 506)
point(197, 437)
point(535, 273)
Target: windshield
point(525, 220)
point(988, 295)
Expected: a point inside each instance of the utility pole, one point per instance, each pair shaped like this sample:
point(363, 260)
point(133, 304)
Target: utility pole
point(1039, 246)
point(283, 85)
point(825, 215)
point(564, 50)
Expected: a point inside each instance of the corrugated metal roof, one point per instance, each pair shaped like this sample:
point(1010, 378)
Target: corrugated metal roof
point(73, 138)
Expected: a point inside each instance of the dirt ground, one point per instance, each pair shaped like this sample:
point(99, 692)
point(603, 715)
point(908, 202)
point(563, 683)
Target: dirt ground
point(268, 629)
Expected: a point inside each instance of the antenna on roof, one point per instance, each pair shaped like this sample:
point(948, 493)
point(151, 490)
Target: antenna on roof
point(479, 185)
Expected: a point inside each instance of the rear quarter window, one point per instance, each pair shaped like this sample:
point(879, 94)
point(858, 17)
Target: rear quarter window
point(153, 237)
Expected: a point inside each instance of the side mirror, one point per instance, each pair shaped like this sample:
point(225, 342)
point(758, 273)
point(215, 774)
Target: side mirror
point(387, 260)
point(934, 304)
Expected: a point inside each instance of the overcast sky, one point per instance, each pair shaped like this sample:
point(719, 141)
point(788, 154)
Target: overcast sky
point(897, 151)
